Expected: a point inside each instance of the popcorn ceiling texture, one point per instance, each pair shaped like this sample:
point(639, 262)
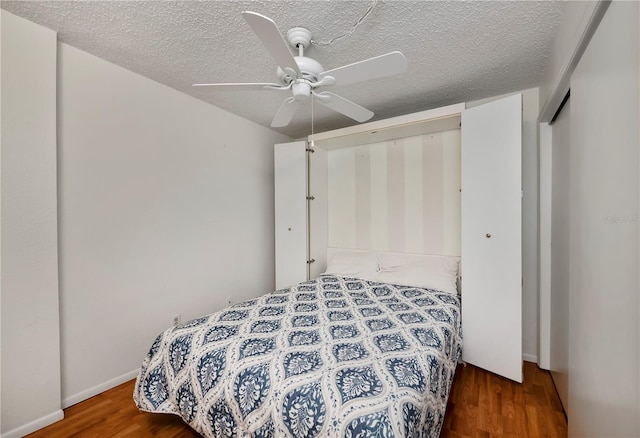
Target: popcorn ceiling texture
point(456, 51)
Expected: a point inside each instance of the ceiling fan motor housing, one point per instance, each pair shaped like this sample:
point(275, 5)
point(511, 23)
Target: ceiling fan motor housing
point(310, 69)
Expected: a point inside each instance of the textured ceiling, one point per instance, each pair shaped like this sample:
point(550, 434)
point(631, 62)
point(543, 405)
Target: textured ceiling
point(456, 51)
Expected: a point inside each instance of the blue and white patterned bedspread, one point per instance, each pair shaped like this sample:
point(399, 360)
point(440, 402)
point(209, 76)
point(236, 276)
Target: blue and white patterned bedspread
point(329, 357)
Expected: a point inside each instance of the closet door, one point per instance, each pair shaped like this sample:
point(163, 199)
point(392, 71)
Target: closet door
point(290, 186)
point(604, 355)
point(491, 236)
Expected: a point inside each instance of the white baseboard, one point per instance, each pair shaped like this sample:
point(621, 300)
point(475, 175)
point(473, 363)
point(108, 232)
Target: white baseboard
point(88, 393)
point(32, 426)
point(530, 358)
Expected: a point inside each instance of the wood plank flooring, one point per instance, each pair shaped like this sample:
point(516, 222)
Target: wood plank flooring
point(481, 405)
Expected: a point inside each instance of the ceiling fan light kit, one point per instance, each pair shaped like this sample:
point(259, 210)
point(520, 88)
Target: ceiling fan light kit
point(301, 90)
point(302, 75)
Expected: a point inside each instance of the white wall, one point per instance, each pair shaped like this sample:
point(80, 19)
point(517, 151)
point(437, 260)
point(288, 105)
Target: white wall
point(166, 207)
point(530, 110)
point(30, 327)
point(604, 386)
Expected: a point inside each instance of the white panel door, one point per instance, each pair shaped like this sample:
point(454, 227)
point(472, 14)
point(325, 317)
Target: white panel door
point(290, 185)
point(492, 236)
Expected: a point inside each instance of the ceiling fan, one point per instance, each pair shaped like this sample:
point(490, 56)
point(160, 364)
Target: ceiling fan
point(303, 75)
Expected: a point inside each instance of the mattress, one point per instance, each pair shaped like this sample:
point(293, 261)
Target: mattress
point(329, 357)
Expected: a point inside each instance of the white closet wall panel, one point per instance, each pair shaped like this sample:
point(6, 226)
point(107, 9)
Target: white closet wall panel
point(318, 184)
point(400, 196)
point(492, 236)
point(560, 261)
point(290, 185)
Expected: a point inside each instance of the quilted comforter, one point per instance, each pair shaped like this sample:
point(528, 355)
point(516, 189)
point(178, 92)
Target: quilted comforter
point(333, 357)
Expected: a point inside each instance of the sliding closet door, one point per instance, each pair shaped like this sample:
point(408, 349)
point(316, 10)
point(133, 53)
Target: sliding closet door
point(604, 360)
point(290, 186)
point(492, 236)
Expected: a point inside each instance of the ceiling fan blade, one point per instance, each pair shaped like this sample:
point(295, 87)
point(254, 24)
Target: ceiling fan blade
point(265, 28)
point(285, 113)
point(242, 86)
point(346, 107)
point(384, 65)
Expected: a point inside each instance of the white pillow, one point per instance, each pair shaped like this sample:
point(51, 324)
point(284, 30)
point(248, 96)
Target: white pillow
point(358, 264)
point(426, 271)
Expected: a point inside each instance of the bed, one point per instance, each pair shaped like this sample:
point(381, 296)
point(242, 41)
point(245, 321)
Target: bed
point(336, 356)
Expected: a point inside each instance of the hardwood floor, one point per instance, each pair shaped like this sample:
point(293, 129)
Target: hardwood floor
point(481, 405)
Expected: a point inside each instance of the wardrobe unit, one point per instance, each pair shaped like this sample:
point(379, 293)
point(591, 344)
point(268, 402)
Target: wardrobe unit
point(490, 231)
